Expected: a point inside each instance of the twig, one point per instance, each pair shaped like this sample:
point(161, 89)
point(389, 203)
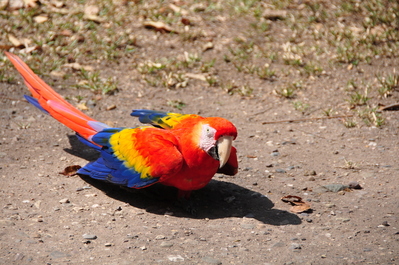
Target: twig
point(394, 106)
point(310, 119)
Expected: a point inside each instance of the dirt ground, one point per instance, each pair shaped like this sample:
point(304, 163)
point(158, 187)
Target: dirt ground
point(312, 122)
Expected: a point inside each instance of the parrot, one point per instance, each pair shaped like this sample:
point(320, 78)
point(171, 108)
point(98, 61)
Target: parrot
point(184, 151)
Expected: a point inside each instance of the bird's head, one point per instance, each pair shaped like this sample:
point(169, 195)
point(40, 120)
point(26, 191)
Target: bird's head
point(216, 138)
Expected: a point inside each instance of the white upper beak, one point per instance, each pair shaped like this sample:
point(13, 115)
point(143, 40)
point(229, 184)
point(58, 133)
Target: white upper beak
point(224, 148)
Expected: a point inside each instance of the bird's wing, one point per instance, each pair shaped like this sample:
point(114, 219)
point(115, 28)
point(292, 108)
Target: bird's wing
point(164, 120)
point(136, 157)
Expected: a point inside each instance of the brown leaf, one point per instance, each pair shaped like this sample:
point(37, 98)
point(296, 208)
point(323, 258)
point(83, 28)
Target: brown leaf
point(300, 208)
point(30, 3)
point(70, 170)
point(82, 106)
point(29, 49)
point(299, 205)
point(158, 25)
point(15, 41)
point(40, 19)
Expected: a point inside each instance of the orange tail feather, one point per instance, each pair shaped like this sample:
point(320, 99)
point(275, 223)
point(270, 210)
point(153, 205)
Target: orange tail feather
point(52, 102)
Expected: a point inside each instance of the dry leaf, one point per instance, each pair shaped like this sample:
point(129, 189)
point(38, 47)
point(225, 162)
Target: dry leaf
point(299, 205)
point(196, 76)
point(82, 106)
point(15, 5)
point(91, 13)
point(70, 170)
point(3, 4)
point(94, 18)
point(57, 4)
point(91, 10)
point(274, 14)
point(158, 25)
point(111, 107)
point(66, 32)
point(30, 3)
point(78, 66)
point(40, 19)
point(14, 41)
point(6, 47)
point(179, 10)
point(185, 21)
point(29, 49)
point(300, 208)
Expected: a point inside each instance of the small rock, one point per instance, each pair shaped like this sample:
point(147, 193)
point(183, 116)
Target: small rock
point(37, 204)
point(296, 246)
point(18, 257)
point(58, 255)
point(166, 244)
point(211, 260)
point(143, 248)
point(108, 244)
point(335, 187)
point(89, 236)
point(279, 170)
point(343, 219)
point(175, 258)
point(354, 185)
point(64, 201)
point(275, 153)
point(160, 237)
point(248, 226)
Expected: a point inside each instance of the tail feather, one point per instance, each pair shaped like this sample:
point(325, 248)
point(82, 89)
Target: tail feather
point(50, 102)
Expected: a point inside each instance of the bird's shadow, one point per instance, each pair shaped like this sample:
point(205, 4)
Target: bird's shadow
point(219, 199)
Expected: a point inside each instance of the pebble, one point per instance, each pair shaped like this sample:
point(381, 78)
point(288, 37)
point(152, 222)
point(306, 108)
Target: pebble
point(335, 187)
point(5, 222)
point(166, 244)
point(175, 258)
point(108, 244)
point(66, 200)
point(296, 246)
point(280, 170)
point(58, 255)
point(354, 185)
point(18, 257)
point(248, 226)
point(89, 236)
point(211, 260)
point(275, 153)
point(160, 237)
point(343, 219)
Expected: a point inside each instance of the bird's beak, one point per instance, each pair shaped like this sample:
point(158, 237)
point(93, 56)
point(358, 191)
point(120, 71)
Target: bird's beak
point(224, 148)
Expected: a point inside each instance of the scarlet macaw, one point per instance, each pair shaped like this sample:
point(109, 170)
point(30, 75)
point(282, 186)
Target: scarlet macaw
point(180, 150)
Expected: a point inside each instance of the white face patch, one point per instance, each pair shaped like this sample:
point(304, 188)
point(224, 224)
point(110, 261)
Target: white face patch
point(207, 138)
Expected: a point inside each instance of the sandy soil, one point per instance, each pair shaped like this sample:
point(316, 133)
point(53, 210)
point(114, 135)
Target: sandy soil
point(48, 218)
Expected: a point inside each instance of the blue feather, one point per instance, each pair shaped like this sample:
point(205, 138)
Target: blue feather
point(148, 116)
point(109, 168)
point(88, 143)
point(35, 103)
